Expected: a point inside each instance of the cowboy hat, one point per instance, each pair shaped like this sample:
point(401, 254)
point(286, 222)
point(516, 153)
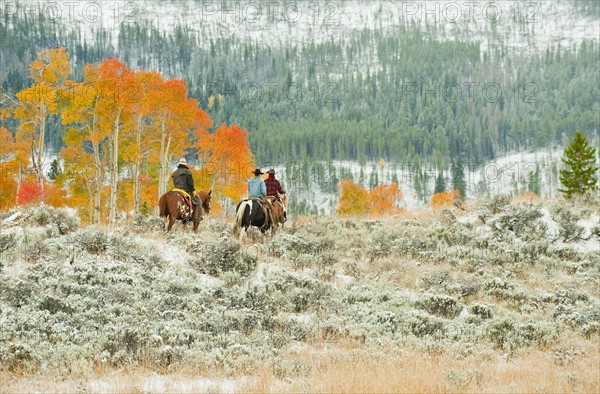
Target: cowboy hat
point(258, 172)
point(271, 171)
point(182, 162)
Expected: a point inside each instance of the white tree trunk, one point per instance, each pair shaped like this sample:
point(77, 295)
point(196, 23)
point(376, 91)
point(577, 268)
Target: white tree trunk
point(161, 162)
point(89, 183)
point(137, 190)
point(164, 158)
point(99, 172)
point(167, 161)
point(97, 179)
point(114, 172)
point(40, 159)
point(18, 186)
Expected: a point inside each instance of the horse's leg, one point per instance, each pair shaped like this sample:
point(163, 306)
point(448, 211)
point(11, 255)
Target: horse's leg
point(196, 217)
point(172, 220)
point(185, 222)
point(246, 222)
point(240, 232)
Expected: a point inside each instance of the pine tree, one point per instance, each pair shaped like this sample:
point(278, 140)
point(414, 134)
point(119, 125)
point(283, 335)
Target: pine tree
point(458, 178)
point(482, 187)
point(54, 170)
point(534, 181)
point(373, 179)
point(440, 183)
point(361, 177)
point(579, 174)
point(418, 184)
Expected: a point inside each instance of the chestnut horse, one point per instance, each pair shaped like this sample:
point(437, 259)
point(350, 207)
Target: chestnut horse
point(173, 205)
point(280, 208)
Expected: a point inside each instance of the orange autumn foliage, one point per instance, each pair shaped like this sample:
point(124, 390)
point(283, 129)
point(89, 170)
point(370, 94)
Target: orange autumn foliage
point(175, 116)
point(136, 145)
point(354, 199)
point(227, 160)
point(444, 199)
point(8, 186)
point(8, 170)
point(118, 90)
point(29, 193)
point(82, 116)
point(37, 102)
point(123, 130)
point(383, 199)
point(54, 195)
point(6, 143)
point(79, 180)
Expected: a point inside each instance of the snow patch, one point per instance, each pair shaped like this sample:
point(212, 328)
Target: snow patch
point(343, 280)
point(552, 228)
point(155, 383)
point(11, 220)
point(471, 218)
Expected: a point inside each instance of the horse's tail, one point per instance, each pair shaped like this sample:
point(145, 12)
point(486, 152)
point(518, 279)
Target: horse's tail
point(162, 206)
point(239, 216)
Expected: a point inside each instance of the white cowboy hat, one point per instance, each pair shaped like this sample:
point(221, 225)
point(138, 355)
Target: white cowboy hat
point(182, 161)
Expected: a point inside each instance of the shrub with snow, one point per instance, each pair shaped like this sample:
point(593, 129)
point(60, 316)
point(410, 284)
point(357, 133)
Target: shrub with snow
point(113, 299)
point(569, 229)
point(64, 220)
point(92, 240)
point(144, 223)
point(440, 305)
point(7, 241)
point(214, 258)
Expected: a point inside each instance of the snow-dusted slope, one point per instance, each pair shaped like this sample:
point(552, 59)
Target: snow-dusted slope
point(528, 26)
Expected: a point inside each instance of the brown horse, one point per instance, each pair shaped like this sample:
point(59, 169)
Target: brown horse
point(173, 205)
point(280, 208)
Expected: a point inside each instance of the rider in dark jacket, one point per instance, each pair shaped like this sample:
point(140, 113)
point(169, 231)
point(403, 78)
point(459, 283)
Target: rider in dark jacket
point(182, 179)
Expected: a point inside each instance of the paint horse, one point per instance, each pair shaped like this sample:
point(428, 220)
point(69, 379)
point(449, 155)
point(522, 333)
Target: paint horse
point(175, 206)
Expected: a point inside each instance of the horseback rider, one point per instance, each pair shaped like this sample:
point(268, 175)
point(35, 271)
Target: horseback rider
point(256, 186)
point(182, 179)
point(258, 191)
point(274, 188)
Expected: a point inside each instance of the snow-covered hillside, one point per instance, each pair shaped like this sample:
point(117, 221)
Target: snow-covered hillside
point(528, 26)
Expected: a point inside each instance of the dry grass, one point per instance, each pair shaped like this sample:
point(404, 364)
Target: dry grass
point(574, 367)
point(420, 372)
point(534, 372)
